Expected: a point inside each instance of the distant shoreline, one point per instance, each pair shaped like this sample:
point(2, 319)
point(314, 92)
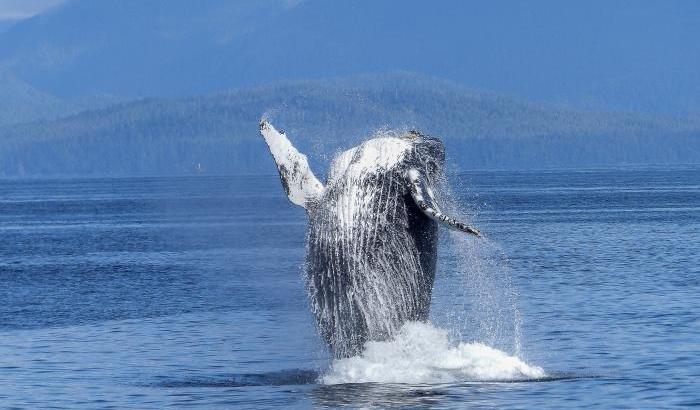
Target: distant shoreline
point(624, 168)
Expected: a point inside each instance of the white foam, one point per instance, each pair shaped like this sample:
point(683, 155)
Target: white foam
point(423, 354)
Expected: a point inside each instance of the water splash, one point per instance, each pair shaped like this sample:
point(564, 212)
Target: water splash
point(475, 277)
point(475, 299)
point(475, 296)
point(424, 354)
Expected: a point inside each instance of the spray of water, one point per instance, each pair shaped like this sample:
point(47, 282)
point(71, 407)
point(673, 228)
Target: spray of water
point(483, 307)
point(424, 354)
point(474, 300)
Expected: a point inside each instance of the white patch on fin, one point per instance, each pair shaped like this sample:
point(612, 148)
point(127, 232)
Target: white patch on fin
point(423, 196)
point(298, 181)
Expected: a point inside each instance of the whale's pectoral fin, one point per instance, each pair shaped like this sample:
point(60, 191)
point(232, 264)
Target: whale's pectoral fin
point(300, 184)
point(423, 197)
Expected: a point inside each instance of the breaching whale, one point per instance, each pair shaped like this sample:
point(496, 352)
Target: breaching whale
point(372, 235)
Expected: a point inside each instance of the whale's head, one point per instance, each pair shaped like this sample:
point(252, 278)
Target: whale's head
point(414, 158)
point(390, 155)
point(426, 154)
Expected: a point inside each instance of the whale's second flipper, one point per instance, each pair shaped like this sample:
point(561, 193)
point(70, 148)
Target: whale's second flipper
point(300, 184)
point(423, 197)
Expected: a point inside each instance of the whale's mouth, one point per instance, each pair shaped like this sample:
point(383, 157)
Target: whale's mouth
point(423, 354)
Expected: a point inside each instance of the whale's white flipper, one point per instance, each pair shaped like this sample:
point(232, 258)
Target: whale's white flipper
point(300, 184)
point(423, 197)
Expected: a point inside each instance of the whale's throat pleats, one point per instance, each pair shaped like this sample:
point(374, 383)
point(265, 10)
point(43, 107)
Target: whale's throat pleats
point(371, 254)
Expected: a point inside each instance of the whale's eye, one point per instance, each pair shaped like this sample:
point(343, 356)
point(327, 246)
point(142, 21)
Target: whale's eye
point(413, 134)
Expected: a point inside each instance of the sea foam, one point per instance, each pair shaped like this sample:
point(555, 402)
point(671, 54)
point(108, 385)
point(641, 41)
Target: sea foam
point(423, 354)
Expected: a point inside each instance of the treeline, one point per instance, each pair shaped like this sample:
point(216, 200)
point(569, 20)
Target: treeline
point(218, 134)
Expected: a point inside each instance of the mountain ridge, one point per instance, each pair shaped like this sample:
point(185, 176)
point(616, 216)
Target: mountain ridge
point(481, 130)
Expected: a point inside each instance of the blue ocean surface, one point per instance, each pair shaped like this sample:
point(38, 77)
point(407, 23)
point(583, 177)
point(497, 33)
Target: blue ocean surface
point(166, 292)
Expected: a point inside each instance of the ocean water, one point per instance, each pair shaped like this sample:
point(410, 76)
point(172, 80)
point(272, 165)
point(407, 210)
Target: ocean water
point(168, 292)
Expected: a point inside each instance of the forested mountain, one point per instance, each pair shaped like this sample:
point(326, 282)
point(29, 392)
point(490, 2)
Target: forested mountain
point(218, 133)
point(20, 102)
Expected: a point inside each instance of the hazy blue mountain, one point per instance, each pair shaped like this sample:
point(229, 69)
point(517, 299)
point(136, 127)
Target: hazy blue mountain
point(599, 54)
point(219, 133)
point(21, 102)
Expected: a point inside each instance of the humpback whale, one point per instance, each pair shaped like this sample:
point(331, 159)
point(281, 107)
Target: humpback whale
point(372, 234)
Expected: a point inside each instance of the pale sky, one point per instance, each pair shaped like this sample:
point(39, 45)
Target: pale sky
point(18, 9)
